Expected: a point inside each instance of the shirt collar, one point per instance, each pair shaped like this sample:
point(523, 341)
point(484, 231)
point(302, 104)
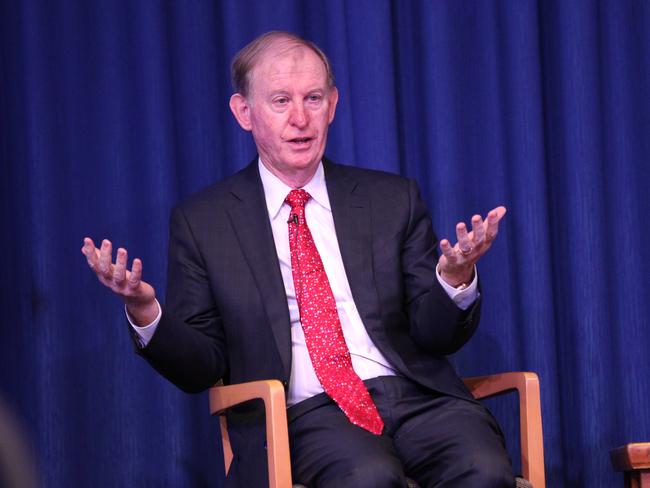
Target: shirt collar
point(275, 190)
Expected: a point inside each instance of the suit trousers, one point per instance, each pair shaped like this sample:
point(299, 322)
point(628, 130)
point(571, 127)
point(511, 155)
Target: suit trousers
point(434, 439)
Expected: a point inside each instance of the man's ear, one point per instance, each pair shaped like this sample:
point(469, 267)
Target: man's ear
point(333, 96)
point(240, 108)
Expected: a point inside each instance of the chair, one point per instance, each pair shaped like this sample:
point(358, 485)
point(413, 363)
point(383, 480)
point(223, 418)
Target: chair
point(634, 461)
point(277, 438)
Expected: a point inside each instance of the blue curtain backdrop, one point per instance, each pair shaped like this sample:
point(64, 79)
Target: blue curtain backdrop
point(112, 111)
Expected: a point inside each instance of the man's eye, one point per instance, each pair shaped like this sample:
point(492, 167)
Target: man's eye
point(314, 98)
point(281, 101)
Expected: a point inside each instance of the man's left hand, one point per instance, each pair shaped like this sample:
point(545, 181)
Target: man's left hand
point(456, 264)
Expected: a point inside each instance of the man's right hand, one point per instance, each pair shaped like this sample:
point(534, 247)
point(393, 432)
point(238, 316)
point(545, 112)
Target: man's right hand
point(139, 296)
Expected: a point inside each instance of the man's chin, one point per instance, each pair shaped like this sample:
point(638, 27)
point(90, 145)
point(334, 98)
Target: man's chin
point(303, 162)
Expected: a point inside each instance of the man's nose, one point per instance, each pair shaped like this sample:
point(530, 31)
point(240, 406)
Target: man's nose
point(299, 116)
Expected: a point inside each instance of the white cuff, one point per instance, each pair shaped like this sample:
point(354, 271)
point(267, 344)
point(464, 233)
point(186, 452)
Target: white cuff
point(144, 334)
point(462, 297)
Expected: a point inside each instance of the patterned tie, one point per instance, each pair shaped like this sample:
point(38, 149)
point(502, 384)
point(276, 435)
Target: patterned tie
point(320, 321)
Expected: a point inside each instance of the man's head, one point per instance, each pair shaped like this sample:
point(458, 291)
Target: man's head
point(285, 95)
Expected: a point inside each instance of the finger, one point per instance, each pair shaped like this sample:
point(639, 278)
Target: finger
point(493, 219)
point(478, 229)
point(501, 212)
point(88, 246)
point(90, 251)
point(448, 250)
point(119, 271)
point(136, 274)
point(464, 243)
point(105, 255)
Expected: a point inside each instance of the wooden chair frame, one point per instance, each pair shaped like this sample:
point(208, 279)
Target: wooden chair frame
point(277, 437)
point(634, 461)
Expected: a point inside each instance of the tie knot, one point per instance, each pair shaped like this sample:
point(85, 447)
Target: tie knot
point(297, 198)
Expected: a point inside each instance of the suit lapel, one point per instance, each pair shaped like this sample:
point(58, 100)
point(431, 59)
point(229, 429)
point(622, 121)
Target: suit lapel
point(352, 219)
point(250, 221)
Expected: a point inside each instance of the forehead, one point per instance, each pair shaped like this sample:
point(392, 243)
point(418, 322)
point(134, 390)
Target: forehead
point(284, 64)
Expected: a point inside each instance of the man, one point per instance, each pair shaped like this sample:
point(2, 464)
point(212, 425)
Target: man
point(322, 276)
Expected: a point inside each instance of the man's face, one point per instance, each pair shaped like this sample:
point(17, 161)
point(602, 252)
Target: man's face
point(288, 109)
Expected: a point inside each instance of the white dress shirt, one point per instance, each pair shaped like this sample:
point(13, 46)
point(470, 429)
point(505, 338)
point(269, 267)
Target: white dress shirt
point(367, 360)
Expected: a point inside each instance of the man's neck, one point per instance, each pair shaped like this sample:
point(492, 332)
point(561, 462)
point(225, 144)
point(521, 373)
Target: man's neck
point(296, 179)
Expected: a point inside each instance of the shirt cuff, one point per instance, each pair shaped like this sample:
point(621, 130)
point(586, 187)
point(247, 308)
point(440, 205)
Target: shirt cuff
point(462, 297)
point(144, 334)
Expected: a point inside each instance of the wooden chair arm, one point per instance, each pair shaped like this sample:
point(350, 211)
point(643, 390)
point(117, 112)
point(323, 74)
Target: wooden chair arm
point(530, 416)
point(630, 457)
point(277, 435)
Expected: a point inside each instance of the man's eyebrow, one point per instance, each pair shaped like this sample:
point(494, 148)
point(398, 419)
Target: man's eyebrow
point(279, 91)
point(285, 91)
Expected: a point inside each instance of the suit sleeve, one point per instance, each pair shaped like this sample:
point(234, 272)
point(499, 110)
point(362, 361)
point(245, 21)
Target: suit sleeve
point(437, 324)
point(188, 347)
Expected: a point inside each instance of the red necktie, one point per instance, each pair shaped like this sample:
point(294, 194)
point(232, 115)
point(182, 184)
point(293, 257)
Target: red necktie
point(320, 321)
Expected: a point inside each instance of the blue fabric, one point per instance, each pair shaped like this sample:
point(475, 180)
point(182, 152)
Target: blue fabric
point(112, 111)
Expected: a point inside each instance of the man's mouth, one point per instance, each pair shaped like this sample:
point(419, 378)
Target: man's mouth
point(300, 140)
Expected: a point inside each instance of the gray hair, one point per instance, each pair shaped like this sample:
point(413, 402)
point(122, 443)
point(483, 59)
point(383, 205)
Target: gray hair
point(248, 57)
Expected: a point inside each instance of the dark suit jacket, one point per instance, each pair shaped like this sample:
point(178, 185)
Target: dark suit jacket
point(226, 314)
